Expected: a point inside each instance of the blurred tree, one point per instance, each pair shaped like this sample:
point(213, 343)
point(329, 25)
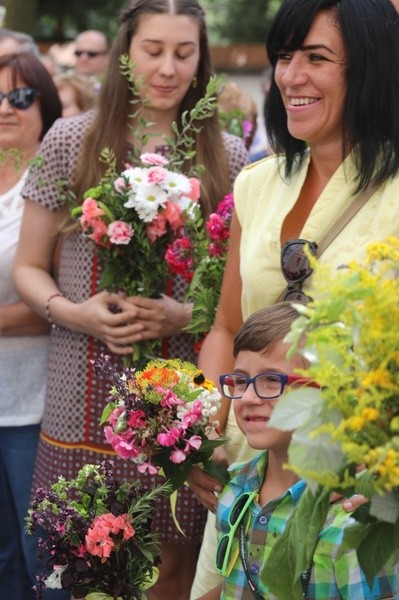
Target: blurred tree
point(59, 20)
point(229, 21)
point(239, 21)
point(20, 14)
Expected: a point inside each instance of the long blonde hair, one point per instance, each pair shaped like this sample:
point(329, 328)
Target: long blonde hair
point(111, 123)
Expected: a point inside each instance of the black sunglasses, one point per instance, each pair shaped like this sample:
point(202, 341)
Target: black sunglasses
point(296, 268)
point(20, 98)
point(90, 53)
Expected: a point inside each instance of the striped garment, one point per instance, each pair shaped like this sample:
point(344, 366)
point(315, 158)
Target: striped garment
point(331, 578)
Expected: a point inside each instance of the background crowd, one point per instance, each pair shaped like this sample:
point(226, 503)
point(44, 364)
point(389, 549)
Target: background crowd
point(55, 321)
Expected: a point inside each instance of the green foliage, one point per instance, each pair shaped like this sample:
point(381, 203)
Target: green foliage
point(239, 21)
point(289, 558)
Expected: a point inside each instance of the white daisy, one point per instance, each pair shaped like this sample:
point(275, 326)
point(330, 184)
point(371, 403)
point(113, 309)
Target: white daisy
point(147, 202)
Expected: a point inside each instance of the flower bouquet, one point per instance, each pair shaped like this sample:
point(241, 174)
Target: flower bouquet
point(159, 417)
point(349, 337)
point(132, 216)
point(98, 536)
point(199, 255)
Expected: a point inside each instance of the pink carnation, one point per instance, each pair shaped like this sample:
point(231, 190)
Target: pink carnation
point(99, 232)
point(120, 232)
point(156, 175)
point(120, 184)
point(150, 158)
point(157, 228)
point(172, 214)
point(195, 190)
point(91, 211)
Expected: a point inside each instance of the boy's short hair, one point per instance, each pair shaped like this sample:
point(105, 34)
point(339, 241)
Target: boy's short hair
point(264, 328)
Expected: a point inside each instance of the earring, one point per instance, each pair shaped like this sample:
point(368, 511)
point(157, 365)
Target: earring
point(194, 82)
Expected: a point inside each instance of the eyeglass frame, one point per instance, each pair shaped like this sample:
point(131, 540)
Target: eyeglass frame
point(90, 53)
point(25, 88)
point(295, 285)
point(284, 381)
point(227, 563)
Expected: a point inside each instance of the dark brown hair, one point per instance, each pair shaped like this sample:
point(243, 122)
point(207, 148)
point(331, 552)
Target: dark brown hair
point(110, 126)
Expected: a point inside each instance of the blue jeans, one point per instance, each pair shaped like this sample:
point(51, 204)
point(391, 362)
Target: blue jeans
point(19, 564)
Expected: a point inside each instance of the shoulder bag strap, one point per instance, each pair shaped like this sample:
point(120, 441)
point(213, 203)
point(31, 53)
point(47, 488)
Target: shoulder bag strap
point(344, 219)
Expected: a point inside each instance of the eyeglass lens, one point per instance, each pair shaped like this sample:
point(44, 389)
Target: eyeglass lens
point(20, 98)
point(89, 53)
point(296, 268)
point(266, 385)
point(221, 551)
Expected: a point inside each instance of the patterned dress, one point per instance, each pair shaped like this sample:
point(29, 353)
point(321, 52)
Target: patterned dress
point(71, 435)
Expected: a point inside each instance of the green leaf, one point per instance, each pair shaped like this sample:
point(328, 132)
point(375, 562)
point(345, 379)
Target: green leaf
point(295, 408)
point(316, 454)
point(293, 552)
point(106, 413)
point(377, 547)
point(216, 470)
point(385, 507)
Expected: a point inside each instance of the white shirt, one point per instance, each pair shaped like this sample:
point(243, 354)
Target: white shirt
point(23, 359)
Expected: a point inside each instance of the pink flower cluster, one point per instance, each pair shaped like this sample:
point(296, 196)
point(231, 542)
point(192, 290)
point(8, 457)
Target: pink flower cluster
point(218, 226)
point(179, 257)
point(92, 222)
point(162, 415)
point(139, 440)
point(102, 536)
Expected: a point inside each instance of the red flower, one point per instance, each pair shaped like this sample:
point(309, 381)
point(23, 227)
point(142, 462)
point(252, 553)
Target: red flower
point(179, 258)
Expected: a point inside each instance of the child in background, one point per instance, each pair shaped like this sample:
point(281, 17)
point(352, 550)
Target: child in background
point(254, 507)
point(77, 93)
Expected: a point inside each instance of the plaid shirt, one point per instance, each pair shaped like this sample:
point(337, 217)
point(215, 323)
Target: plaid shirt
point(331, 578)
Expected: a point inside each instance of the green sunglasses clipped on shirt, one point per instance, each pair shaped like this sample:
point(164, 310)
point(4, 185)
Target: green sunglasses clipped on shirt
point(224, 558)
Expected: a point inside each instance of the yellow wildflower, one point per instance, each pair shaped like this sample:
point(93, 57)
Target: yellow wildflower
point(355, 423)
point(370, 414)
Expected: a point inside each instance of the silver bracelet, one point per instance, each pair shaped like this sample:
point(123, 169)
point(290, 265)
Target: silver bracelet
point(47, 306)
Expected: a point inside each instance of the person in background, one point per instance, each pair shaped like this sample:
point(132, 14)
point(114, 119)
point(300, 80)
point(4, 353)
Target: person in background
point(237, 112)
point(260, 147)
point(334, 139)
point(29, 105)
point(91, 53)
point(76, 92)
point(17, 41)
point(167, 42)
point(266, 490)
point(50, 63)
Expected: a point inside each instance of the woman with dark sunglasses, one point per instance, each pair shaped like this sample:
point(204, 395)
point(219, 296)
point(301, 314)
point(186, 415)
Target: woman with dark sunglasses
point(29, 105)
point(333, 121)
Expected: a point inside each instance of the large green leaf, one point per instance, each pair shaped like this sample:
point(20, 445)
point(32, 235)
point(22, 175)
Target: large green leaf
point(385, 507)
point(292, 554)
point(295, 408)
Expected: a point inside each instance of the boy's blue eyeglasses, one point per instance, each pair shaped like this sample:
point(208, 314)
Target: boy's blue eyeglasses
point(268, 385)
point(224, 558)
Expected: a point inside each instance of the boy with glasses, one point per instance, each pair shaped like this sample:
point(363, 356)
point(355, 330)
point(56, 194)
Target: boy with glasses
point(254, 507)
